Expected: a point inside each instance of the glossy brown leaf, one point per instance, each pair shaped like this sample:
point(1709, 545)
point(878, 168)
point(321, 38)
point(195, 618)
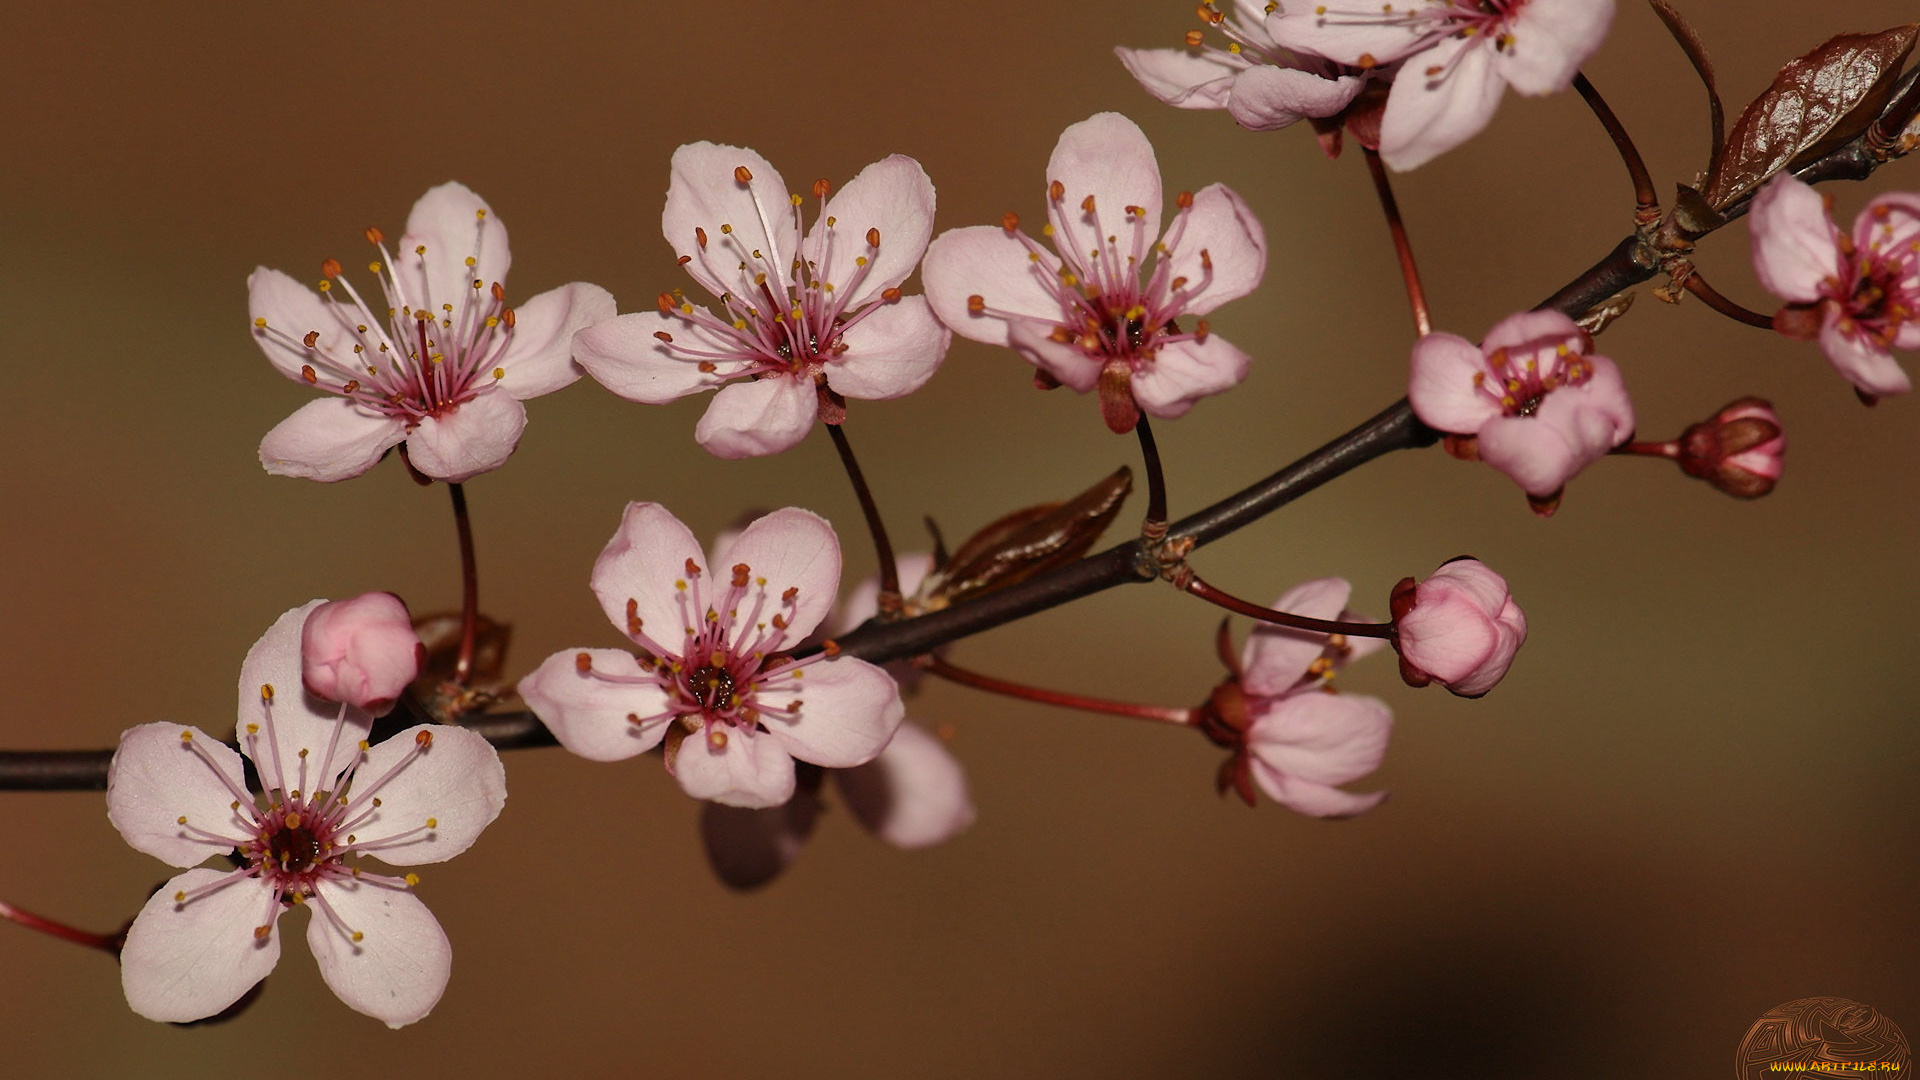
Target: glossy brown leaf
point(1027, 541)
point(1816, 103)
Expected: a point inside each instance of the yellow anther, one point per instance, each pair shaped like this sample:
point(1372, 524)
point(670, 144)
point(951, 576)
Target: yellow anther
point(358, 936)
point(266, 691)
point(180, 897)
point(499, 373)
point(260, 322)
point(181, 820)
point(293, 821)
point(186, 736)
point(413, 880)
point(433, 823)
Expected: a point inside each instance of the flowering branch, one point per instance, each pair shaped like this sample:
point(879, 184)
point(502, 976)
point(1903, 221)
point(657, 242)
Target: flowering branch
point(1632, 261)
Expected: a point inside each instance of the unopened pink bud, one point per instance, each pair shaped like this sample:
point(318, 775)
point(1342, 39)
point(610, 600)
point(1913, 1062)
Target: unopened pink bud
point(1739, 450)
point(362, 651)
point(1459, 628)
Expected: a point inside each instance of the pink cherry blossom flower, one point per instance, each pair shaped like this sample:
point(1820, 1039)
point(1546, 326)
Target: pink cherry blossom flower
point(1456, 57)
point(1539, 404)
point(209, 935)
point(362, 651)
point(803, 323)
point(1291, 734)
point(1094, 315)
point(1261, 85)
point(714, 679)
point(1459, 628)
point(443, 370)
point(1858, 295)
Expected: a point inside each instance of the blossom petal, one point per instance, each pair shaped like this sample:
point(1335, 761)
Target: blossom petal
point(1186, 371)
point(1268, 98)
point(1535, 330)
point(1107, 158)
point(1573, 427)
point(738, 218)
point(295, 720)
point(328, 440)
point(624, 355)
point(914, 795)
point(1307, 742)
point(791, 549)
point(1219, 247)
point(748, 848)
point(1859, 357)
point(996, 265)
point(398, 968)
point(589, 715)
point(849, 710)
point(649, 552)
point(1796, 248)
point(1428, 115)
point(1445, 389)
point(1548, 40)
point(891, 352)
point(746, 769)
point(1348, 34)
point(157, 780)
point(753, 419)
point(292, 310)
point(892, 195)
point(453, 224)
point(189, 961)
point(1064, 360)
point(1183, 79)
point(455, 781)
point(474, 437)
point(1276, 657)
point(539, 359)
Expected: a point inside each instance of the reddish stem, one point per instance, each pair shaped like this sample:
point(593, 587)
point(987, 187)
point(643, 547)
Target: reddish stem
point(469, 588)
point(105, 942)
point(1155, 525)
point(889, 601)
point(1191, 582)
point(1416, 296)
point(1647, 202)
point(1132, 710)
point(1698, 286)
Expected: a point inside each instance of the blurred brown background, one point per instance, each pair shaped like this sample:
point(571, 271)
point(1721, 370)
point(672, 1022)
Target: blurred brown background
point(1692, 801)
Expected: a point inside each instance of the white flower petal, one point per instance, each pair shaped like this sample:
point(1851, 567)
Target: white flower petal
point(849, 709)
point(892, 195)
point(738, 218)
point(989, 262)
point(748, 769)
point(753, 419)
point(454, 225)
point(1186, 371)
point(299, 720)
point(189, 961)
point(1425, 117)
point(474, 437)
point(1276, 657)
point(890, 353)
point(589, 715)
point(623, 355)
point(456, 783)
point(539, 359)
point(328, 440)
point(1219, 248)
point(398, 969)
point(914, 795)
point(1181, 78)
point(646, 557)
point(156, 778)
point(1107, 158)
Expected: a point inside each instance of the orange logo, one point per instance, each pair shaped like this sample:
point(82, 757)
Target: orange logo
point(1822, 1037)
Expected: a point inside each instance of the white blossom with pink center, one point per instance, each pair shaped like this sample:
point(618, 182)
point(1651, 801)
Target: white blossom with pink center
point(1456, 58)
point(1292, 734)
point(804, 323)
point(714, 678)
point(1858, 294)
point(1261, 85)
point(437, 361)
point(209, 935)
point(1105, 311)
point(1540, 404)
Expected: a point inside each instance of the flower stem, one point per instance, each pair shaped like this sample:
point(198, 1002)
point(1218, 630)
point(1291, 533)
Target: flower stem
point(109, 943)
point(1646, 202)
point(1668, 450)
point(1155, 525)
point(1190, 582)
point(889, 601)
point(1698, 286)
point(1158, 713)
point(469, 587)
point(1416, 296)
